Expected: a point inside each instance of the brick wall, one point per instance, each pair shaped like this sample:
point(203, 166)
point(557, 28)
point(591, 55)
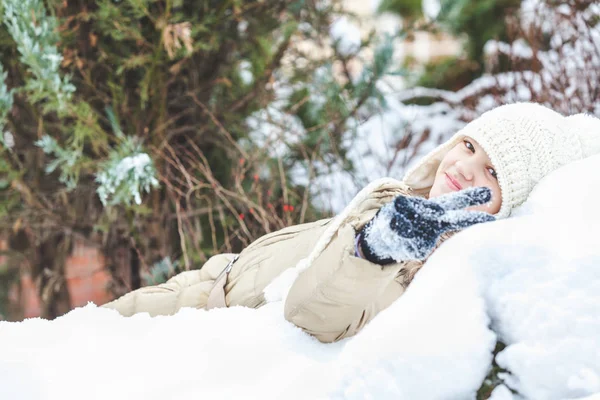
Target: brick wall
point(86, 278)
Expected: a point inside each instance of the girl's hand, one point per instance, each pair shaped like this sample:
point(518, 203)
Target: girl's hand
point(408, 228)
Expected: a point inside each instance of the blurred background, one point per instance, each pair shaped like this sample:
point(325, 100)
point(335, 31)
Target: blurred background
point(140, 137)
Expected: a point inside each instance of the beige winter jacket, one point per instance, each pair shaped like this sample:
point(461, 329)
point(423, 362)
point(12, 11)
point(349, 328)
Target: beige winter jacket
point(333, 298)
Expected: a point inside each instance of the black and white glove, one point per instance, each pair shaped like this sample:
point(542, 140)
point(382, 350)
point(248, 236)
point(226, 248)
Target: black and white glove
point(408, 228)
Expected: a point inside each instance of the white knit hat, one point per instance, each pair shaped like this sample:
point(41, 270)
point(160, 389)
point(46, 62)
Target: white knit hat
point(524, 141)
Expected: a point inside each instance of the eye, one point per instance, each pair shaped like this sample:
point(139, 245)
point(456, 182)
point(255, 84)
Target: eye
point(469, 145)
point(492, 172)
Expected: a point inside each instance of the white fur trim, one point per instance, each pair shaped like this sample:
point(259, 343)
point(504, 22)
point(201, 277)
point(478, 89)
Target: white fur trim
point(279, 287)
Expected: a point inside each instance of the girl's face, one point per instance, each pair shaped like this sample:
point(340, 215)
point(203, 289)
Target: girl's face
point(467, 165)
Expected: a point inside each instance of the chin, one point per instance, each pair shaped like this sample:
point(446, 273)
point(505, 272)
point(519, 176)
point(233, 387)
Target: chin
point(435, 192)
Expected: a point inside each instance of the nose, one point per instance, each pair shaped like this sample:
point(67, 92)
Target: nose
point(465, 168)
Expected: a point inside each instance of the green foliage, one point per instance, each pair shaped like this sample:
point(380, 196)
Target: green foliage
point(407, 9)
point(478, 20)
point(492, 379)
point(7, 172)
point(36, 36)
point(449, 73)
point(381, 66)
point(8, 276)
point(325, 100)
point(161, 271)
point(6, 98)
point(107, 98)
point(474, 21)
point(127, 172)
point(63, 158)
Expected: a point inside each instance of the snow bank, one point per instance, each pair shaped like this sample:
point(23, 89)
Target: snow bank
point(532, 281)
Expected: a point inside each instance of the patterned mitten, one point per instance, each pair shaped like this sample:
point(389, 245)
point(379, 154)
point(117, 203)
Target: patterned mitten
point(408, 228)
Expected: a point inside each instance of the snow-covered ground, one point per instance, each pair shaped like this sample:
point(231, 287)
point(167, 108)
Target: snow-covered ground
point(531, 281)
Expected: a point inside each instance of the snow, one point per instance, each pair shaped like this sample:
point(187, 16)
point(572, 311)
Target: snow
point(93, 353)
point(373, 149)
point(531, 281)
point(501, 393)
point(345, 35)
point(431, 8)
point(570, 60)
point(242, 27)
point(519, 48)
point(274, 129)
point(137, 170)
point(549, 262)
point(384, 242)
point(245, 71)
point(9, 140)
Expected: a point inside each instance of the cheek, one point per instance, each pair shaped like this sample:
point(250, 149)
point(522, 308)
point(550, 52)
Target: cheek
point(498, 199)
point(496, 202)
point(438, 182)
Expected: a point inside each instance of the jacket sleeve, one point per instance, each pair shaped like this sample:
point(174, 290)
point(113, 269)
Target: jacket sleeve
point(339, 293)
point(186, 289)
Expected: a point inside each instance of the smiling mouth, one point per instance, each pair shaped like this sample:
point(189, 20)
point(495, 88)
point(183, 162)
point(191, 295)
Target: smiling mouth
point(452, 183)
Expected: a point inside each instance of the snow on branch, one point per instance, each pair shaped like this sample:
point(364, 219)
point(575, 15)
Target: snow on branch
point(554, 59)
point(128, 172)
point(6, 102)
point(36, 36)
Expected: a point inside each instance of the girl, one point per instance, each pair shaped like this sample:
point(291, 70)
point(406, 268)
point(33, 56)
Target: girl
point(335, 275)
